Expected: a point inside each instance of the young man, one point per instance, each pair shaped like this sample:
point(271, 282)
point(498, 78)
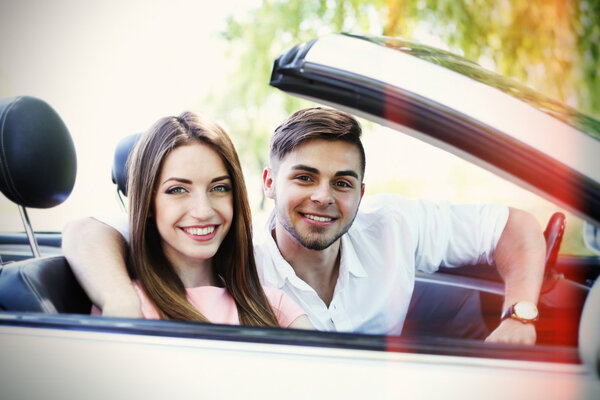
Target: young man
point(350, 270)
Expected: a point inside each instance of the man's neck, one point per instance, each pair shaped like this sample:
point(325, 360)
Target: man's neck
point(318, 268)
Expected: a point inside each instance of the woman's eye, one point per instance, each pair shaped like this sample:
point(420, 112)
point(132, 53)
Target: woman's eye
point(175, 190)
point(222, 188)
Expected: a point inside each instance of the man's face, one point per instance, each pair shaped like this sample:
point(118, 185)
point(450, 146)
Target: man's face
point(317, 190)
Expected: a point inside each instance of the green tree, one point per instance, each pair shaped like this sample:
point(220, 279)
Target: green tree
point(553, 46)
point(251, 107)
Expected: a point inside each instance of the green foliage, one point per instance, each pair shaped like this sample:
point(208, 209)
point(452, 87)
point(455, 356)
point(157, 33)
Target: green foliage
point(553, 46)
point(588, 48)
point(251, 107)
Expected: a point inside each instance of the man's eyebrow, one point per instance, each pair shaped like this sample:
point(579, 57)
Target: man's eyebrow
point(347, 173)
point(316, 171)
point(305, 168)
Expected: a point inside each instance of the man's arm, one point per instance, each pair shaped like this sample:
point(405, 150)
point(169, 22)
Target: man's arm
point(520, 259)
point(96, 253)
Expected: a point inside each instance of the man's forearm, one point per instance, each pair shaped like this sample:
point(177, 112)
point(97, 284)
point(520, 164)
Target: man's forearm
point(96, 253)
point(520, 258)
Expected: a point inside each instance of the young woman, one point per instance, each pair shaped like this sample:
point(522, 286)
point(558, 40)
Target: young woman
point(191, 247)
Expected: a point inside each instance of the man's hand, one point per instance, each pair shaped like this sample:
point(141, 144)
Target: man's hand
point(512, 331)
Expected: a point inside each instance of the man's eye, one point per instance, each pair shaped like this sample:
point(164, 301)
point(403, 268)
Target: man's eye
point(343, 184)
point(303, 178)
point(175, 190)
point(222, 188)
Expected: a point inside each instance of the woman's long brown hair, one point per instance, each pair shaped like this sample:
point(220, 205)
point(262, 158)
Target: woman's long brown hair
point(234, 261)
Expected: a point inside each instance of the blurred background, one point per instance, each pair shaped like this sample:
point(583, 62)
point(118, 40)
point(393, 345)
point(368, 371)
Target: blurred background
point(111, 68)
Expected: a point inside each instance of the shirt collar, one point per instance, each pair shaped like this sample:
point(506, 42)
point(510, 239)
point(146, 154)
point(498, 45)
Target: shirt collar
point(282, 270)
point(350, 261)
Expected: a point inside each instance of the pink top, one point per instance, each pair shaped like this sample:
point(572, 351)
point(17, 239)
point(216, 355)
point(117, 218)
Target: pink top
point(217, 305)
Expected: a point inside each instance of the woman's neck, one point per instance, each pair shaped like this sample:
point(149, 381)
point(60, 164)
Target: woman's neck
point(194, 273)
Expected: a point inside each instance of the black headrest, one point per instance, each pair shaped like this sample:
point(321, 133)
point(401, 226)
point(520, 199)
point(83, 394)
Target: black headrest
point(119, 168)
point(37, 156)
point(42, 285)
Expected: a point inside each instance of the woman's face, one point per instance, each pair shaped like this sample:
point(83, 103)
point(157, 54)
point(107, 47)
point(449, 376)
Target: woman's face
point(193, 205)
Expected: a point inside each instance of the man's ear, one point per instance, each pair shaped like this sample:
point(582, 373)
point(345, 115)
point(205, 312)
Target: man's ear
point(362, 190)
point(268, 183)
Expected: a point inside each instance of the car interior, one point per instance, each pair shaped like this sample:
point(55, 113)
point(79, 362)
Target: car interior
point(47, 284)
point(37, 171)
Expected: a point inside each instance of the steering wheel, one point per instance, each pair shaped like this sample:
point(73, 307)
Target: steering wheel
point(553, 234)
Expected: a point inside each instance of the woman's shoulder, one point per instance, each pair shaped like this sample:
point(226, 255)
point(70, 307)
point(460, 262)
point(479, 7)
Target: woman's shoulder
point(148, 309)
point(274, 295)
point(286, 310)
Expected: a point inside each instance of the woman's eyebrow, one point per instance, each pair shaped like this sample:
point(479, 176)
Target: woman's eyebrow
point(189, 182)
point(181, 180)
point(220, 178)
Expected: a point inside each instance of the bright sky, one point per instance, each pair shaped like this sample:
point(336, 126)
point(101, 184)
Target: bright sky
point(109, 68)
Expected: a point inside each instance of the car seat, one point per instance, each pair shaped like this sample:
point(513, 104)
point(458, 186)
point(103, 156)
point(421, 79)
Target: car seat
point(119, 167)
point(37, 169)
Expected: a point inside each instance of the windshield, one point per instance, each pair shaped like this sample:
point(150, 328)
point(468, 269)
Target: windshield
point(570, 116)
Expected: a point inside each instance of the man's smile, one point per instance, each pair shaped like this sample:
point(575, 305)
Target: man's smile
point(317, 218)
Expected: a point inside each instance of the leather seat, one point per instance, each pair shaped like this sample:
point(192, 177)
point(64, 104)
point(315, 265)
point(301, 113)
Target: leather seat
point(38, 166)
point(119, 169)
point(44, 285)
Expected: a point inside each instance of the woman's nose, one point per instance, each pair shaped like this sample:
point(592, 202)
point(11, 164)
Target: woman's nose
point(201, 207)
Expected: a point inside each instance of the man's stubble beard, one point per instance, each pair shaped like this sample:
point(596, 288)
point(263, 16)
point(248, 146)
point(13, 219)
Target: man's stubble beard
point(315, 243)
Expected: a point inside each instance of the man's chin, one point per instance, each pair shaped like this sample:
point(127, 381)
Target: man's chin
point(313, 240)
point(316, 244)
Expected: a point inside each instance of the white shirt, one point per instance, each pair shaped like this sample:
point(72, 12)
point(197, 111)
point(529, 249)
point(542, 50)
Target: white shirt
point(389, 240)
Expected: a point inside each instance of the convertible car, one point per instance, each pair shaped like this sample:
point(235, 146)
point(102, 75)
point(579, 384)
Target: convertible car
point(51, 347)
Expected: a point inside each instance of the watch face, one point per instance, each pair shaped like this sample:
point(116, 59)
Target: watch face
point(525, 310)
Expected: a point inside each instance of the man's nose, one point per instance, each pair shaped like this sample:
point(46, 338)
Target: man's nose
point(322, 194)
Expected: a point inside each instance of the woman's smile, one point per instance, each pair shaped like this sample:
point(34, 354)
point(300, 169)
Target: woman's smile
point(201, 233)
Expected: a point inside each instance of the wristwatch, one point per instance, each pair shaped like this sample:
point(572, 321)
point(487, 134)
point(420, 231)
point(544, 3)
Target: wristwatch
point(524, 311)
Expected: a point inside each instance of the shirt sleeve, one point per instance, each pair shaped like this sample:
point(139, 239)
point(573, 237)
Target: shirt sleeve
point(286, 310)
point(452, 235)
point(119, 222)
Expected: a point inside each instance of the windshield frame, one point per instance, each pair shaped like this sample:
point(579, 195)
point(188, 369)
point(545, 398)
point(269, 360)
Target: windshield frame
point(297, 73)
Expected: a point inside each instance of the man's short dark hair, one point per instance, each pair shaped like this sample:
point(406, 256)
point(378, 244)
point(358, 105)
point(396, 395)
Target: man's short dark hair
point(315, 123)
